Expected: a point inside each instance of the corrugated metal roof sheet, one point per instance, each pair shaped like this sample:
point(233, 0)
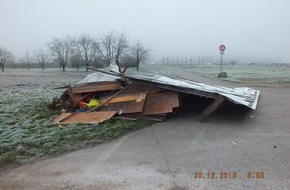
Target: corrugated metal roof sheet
point(243, 95)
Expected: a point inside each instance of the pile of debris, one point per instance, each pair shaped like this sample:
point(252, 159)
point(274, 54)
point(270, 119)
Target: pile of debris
point(103, 95)
point(102, 100)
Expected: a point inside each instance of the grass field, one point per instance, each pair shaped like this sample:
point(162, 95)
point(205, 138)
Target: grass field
point(27, 135)
point(236, 73)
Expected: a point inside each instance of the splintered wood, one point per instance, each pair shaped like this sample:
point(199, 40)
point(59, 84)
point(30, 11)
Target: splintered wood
point(132, 101)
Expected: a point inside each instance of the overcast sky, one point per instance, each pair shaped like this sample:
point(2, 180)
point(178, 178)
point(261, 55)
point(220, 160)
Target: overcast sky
point(252, 30)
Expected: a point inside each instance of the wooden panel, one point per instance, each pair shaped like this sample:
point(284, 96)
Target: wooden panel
point(96, 87)
point(86, 117)
point(160, 103)
point(125, 107)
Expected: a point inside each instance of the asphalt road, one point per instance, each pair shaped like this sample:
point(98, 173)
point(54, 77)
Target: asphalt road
point(232, 144)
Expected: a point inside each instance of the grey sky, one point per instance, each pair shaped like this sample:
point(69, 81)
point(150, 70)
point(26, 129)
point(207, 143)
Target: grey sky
point(252, 30)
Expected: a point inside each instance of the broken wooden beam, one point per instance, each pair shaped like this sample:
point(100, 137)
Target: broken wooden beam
point(211, 108)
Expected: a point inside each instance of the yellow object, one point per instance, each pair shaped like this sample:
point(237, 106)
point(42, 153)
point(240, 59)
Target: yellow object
point(93, 103)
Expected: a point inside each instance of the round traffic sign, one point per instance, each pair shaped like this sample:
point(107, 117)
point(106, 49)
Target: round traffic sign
point(222, 47)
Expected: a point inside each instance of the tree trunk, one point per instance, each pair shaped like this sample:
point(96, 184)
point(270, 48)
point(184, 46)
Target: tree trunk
point(2, 68)
point(63, 68)
point(137, 65)
point(118, 64)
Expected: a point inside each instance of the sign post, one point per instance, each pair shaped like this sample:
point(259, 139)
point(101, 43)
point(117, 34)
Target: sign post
point(222, 49)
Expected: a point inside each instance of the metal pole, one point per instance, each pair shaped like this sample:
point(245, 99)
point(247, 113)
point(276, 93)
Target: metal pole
point(221, 62)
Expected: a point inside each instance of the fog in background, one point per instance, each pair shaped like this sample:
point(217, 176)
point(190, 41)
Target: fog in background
point(252, 30)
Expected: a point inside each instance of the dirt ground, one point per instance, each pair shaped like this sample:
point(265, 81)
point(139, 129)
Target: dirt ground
point(232, 149)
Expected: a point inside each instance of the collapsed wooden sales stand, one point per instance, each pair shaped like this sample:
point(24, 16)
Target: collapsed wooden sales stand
point(104, 94)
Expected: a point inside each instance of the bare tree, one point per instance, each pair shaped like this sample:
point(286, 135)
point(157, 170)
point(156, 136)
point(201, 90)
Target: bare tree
point(140, 52)
point(112, 47)
point(106, 47)
point(41, 58)
point(86, 48)
point(75, 61)
point(13, 63)
point(5, 57)
point(120, 48)
point(61, 49)
point(26, 59)
point(98, 61)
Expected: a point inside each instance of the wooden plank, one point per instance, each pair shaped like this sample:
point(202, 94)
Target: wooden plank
point(152, 117)
point(96, 87)
point(126, 118)
point(87, 117)
point(60, 117)
point(160, 103)
point(96, 83)
point(141, 97)
point(211, 108)
point(141, 88)
point(126, 98)
point(156, 117)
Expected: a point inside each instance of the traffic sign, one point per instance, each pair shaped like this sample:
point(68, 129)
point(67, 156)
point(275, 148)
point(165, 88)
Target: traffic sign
point(222, 47)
